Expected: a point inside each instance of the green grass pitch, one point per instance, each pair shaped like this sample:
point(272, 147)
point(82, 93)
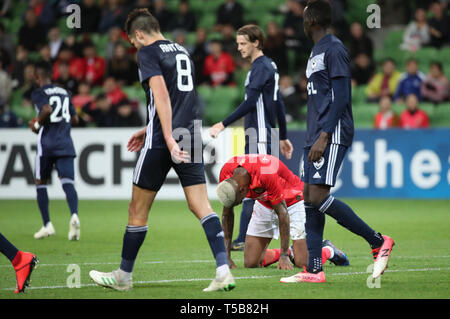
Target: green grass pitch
point(175, 260)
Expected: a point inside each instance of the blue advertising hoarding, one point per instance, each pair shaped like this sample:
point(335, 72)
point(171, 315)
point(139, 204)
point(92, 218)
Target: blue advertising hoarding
point(390, 164)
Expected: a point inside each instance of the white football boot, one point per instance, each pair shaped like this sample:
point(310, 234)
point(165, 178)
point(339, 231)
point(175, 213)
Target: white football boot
point(45, 231)
point(226, 284)
point(74, 227)
point(112, 280)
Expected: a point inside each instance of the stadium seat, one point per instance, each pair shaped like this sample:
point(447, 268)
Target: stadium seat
point(393, 40)
point(222, 102)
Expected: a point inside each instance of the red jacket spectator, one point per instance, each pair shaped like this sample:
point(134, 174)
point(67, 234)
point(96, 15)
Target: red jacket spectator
point(113, 91)
point(76, 65)
point(94, 65)
point(219, 66)
point(413, 117)
point(385, 118)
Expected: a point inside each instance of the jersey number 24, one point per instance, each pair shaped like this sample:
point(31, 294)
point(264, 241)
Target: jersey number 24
point(60, 109)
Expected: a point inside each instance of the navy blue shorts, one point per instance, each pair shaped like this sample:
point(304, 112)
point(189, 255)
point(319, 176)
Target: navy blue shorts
point(325, 170)
point(64, 166)
point(153, 166)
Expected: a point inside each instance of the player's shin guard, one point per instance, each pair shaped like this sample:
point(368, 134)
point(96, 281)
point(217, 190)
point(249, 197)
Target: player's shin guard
point(132, 241)
point(42, 199)
point(7, 249)
point(214, 234)
point(315, 222)
point(345, 216)
point(246, 215)
point(71, 194)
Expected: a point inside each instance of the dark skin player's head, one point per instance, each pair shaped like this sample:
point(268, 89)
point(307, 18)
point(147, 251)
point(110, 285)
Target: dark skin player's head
point(42, 73)
point(317, 18)
point(241, 184)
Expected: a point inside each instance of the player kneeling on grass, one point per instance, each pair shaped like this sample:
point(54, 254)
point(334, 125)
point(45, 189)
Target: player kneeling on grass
point(278, 212)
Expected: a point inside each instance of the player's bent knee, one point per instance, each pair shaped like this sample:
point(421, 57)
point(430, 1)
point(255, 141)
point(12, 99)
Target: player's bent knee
point(251, 264)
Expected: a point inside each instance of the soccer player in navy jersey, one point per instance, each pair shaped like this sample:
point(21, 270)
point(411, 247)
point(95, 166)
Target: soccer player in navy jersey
point(23, 263)
point(329, 135)
point(263, 107)
point(166, 73)
point(56, 114)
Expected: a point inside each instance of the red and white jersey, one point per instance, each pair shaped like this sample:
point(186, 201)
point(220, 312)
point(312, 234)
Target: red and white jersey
point(271, 181)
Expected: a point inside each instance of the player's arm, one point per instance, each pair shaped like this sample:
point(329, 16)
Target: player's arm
point(45, 112)
point(244, 108)
point(228, 225)
point(164, 110)
point(284, 224)
point(285, 145)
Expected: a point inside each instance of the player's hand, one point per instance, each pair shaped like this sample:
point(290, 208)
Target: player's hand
point(318, 148)
point(286, 148)
point(284, 263)
point(178, 155)
point(31, 125)
point(215, 130)
point(136, 141)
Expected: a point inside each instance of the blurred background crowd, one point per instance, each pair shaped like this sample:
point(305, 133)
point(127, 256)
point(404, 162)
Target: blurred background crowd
point(399, 72)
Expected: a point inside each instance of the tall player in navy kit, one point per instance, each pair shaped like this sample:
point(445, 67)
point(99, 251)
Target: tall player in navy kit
point(166, 74)
point(329, 135)
point(56, 114)
point(262, 107)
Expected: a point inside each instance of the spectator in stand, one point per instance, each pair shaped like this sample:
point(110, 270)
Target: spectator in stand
point(435, 87)
point(410, 82)
point(5, 84)
point(362, 69)
point(219, 65)
point(386, 117)
point(184, 19)
point(32, 33)
point(291, 98)
point(161, 14)
point(55, 41)
point(19, 66)
point(77, 67)
point(94, 65)
point(7, 118)
point(5, 6)
point(359, 41)
point(229, 12)
point(91, 17)
point(275, 47)
point(127, 116)
point(64, 79)
point(417, 33)
point(45, 54)
point(113, 15)
point(101, 111)
point(7, 46)
point(46, 11)
point(113, 91)
point(293, 27)
point(384, 83)
point(122, 67)
point(439, 25)
point(26, 111)
point(115, 37)
point(413, 117)
point(199, 54)
point(83, 97)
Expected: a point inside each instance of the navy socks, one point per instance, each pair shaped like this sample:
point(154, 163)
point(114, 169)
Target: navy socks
point(214, 234)
point(315, 223)
point(42, 199)
point(345, 216)
point(7, 249)
point(246, 215)
point(132, 241)
point(71, 195)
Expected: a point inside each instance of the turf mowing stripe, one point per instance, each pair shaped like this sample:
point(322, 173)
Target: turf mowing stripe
point(239, 278)
point(203, 261)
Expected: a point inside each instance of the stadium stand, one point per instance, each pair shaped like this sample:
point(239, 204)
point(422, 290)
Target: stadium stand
point(222, 100)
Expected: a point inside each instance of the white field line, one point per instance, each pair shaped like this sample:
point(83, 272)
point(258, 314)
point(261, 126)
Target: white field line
point(238, 278)
point(201, 261)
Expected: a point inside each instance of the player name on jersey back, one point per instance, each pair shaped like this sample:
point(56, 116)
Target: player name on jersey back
point(172, 47)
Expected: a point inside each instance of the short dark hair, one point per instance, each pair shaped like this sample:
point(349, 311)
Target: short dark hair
point(412, 60)
point(438, 64)
point(253, 33)
point(44, 68)
point(141, 19)
point(319, 12)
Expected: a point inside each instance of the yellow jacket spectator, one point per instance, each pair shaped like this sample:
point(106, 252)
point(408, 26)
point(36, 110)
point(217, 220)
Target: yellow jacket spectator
point(383, 83)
